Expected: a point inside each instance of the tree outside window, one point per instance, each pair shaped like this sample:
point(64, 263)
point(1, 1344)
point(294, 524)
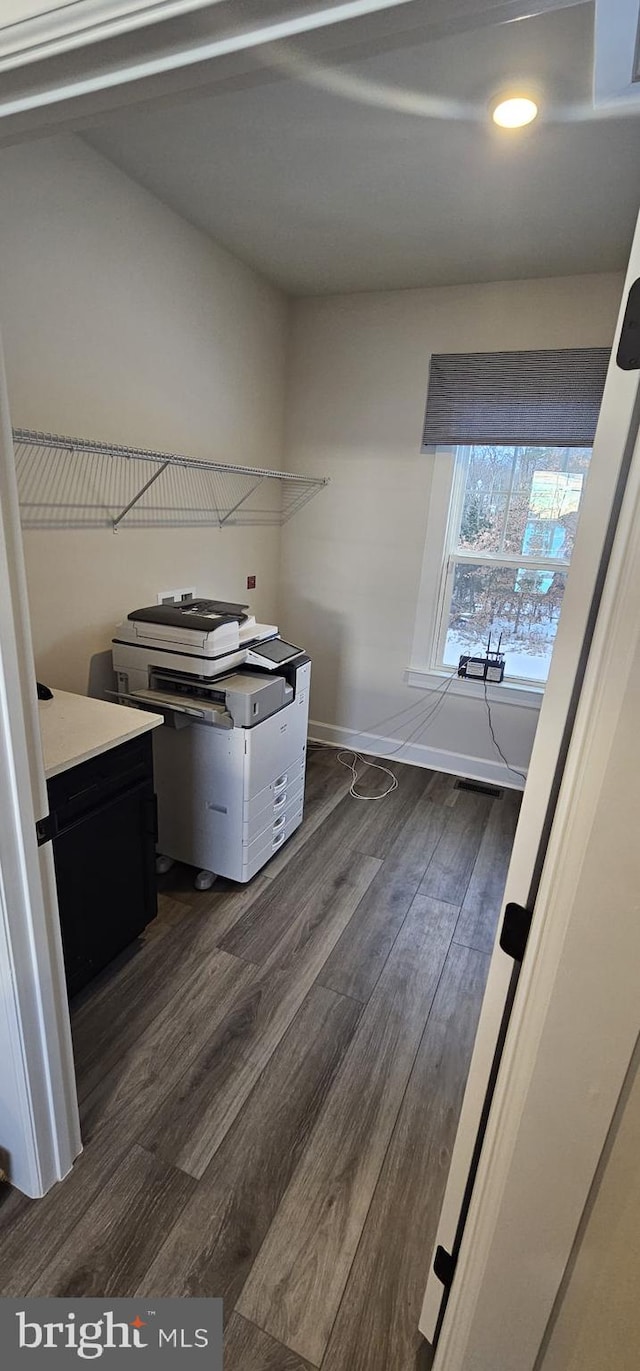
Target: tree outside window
point(512, 530)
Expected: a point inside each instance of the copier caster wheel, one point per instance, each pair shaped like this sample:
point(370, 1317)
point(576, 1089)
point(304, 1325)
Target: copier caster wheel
point(163, 864)
point(204, 880)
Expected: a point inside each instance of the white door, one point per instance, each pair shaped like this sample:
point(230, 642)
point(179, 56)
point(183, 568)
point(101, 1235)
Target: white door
point(39, 1130)
point(612, 453)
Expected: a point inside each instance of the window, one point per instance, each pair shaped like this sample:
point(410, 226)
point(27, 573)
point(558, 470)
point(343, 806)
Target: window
point(511, 527)
point(508, 436)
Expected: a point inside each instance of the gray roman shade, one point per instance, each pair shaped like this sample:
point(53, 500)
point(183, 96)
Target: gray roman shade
point(551, 396)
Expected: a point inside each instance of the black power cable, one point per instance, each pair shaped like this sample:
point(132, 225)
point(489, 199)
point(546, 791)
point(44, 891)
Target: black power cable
point(496, 744)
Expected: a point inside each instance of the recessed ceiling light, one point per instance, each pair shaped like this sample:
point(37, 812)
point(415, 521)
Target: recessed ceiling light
point(515, 112)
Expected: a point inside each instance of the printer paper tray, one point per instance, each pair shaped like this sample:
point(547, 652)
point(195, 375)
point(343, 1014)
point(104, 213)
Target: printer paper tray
point(204, 711)
point(272, 808)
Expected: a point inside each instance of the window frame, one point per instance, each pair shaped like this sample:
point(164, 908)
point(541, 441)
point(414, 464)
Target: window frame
point(452, 557)
point(427, 668)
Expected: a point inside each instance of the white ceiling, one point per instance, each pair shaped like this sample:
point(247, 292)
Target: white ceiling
point(397, 178)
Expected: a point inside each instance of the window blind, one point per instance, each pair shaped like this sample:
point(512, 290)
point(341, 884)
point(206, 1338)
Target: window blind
point(544, 397)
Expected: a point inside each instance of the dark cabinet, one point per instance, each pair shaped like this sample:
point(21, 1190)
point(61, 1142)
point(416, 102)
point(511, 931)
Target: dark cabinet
point(103, 816)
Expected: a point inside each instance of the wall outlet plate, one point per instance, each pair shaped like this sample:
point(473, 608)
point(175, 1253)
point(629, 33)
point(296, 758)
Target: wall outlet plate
point(176, 597)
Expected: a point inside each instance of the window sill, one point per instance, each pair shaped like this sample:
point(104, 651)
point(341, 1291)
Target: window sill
point(506, 693)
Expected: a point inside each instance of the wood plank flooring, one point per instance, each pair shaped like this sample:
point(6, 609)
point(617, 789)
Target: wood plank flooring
point(270, 1082)
point(242, 1187)
point(296, 1284)
point(374, 1327)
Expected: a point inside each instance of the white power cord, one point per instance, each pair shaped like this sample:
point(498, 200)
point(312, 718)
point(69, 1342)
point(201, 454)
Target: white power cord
point(375, 766)
point(424, 718)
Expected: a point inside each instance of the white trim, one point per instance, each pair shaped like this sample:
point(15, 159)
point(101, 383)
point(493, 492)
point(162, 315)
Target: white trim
point(568, 1045)
point(433, 569)
point(506, 693)
point(68, 24)
point(417, 754)
point(41, 1132)
point(573, 1070)
point(615, 47)
point(64, 24)
point(507, 559)
point(436, 578)
point(610, 445)
point(269, 31)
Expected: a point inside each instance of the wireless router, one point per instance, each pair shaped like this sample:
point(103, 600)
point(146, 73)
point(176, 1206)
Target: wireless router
point(487, 668)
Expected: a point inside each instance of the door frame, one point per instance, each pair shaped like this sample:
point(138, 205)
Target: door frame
point(61, 76)
point(40, 1132)
point(33, 983)
point(568, 1047)
point(611, 456)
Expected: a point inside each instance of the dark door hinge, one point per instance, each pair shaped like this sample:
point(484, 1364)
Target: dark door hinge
point(44, 829)
point(515, 930)
point(628, 357)
point(444, 1265)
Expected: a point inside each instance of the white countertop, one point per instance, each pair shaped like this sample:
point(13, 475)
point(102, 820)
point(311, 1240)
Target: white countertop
point(76, 727)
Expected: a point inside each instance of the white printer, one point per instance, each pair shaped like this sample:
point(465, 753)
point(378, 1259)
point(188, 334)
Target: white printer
point(230, 760)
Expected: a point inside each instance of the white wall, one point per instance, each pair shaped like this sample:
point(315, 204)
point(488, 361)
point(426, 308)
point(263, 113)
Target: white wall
point(597, 1319)
point(351, 564)
point(122, 322)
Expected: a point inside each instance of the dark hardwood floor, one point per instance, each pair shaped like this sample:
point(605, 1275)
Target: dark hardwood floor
point(270, 1082)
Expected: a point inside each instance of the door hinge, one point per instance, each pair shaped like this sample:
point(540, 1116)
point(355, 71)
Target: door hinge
point(628, 357)
point(45, 829)
point(444, 1265)
point(515, 930)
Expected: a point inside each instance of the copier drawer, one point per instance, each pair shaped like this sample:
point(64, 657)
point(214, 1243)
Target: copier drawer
point(268, 822)
point(272, 801)
point(270, 842)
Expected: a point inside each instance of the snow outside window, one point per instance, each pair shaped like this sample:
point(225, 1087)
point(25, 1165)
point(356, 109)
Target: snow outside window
point(512, 522)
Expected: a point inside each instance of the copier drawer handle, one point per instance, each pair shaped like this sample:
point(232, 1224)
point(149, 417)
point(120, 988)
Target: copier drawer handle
point(279, 823)
point(280, 784)
point(281, 800)
point(277, 842)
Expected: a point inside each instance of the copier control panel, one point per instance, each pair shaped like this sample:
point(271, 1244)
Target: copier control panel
point(274, 653)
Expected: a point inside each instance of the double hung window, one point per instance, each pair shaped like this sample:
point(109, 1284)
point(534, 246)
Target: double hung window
point(510, 533)
point(510, 435)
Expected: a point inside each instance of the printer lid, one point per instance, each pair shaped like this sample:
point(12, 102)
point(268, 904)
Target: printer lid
point(203, 615)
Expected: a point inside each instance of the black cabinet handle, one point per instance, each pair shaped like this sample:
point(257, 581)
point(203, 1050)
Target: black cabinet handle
point(152, 820)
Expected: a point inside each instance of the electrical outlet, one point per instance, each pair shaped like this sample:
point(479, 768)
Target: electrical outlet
point(176, 597)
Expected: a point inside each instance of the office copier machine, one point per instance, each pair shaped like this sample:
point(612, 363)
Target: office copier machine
point(230, 760)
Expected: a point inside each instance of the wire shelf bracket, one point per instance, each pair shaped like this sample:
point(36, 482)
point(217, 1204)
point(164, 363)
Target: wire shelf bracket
point(80, 483)
point(123, 513)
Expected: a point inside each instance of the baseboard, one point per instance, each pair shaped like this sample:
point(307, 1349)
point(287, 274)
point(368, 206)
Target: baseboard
point(417, 754)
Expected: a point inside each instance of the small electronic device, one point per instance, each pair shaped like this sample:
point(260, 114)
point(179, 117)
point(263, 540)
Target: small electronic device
point(490, 667)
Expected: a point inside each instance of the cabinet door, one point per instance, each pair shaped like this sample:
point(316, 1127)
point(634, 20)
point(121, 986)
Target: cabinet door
point(105, 871)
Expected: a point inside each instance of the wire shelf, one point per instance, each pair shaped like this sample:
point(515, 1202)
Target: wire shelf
point(77, 483)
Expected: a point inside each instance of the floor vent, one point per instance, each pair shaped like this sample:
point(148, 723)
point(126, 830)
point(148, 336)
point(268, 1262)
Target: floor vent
point(479, 787)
